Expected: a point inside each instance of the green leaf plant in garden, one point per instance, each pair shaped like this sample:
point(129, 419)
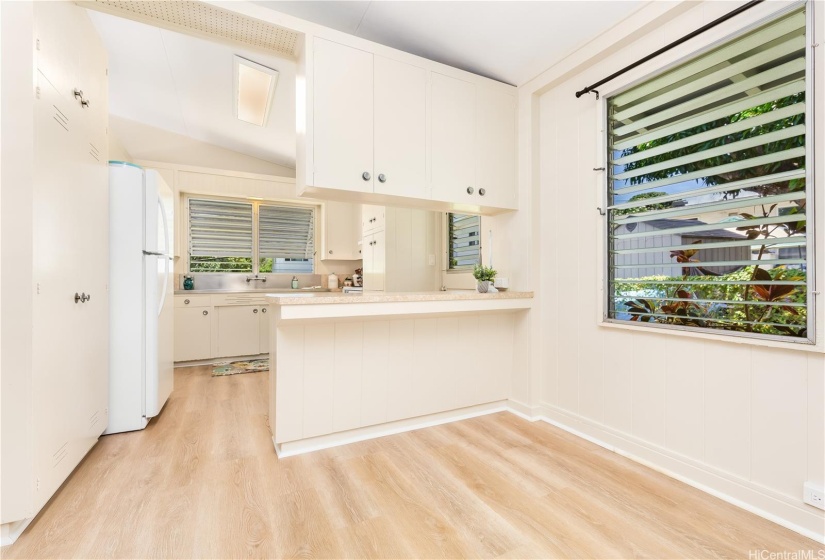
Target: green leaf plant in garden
point(748, 299)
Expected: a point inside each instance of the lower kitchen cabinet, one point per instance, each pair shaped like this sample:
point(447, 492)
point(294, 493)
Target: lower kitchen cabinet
point(238, 330)
point(220, 326)
point(193, 333)
point(263, 331)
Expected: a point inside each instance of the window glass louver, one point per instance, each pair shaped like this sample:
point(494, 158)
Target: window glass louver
point(464, 239)
point(707, 190)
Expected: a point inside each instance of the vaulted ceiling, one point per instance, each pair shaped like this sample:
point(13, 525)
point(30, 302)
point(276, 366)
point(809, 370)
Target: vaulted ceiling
point(184, 84)
point(507, 41)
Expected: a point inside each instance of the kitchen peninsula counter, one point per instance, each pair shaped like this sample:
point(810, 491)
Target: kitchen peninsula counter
point(348, 367)
point(307, 306)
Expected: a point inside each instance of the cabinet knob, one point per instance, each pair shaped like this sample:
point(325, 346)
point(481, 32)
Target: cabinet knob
point(85, 103)
point(330, 251)
point(481, 192)
point(254, 311)
point(81, 298)
point(205, 312)
point(382, 178)
point(366, 175)
point(263, 310)
point(186, 301)
point(78, 93)
point(470, 190)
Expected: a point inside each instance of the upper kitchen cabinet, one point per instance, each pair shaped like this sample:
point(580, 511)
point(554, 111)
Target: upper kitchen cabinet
point(452, 146)
point(379, 126)
point(369, 122)
point(400, 129)
point(343, 118)
point(495, 147)
point(74, 62)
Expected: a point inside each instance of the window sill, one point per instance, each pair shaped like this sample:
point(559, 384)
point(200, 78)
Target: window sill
point(801, 346)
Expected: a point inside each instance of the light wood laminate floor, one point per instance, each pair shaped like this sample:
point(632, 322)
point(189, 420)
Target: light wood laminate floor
point(203, 481)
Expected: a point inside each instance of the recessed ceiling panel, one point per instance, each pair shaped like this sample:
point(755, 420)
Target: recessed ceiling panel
point(202, 18)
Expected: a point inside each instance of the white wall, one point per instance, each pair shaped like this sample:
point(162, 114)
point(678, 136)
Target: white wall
point(148, 143)
point(16, 297)
point(740, 420)
point(117, 152)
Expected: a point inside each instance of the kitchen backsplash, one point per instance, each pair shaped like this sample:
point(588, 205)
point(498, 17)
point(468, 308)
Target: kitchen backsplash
point(235, 281)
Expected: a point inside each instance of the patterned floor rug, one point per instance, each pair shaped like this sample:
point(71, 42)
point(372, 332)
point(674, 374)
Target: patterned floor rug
point(232, 368)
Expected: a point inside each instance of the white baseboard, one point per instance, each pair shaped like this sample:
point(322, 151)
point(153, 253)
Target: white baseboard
point(291, 448)
point(213, 361)
point(10, 531)
point(764, 502)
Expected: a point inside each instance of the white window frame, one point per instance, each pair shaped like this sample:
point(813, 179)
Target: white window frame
point(256, 204)
point(667, 61)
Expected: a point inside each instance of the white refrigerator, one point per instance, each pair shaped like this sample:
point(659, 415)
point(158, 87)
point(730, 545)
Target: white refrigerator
point(141, 219)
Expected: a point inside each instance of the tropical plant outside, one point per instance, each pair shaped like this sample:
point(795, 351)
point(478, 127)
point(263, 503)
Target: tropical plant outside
point(701, 297)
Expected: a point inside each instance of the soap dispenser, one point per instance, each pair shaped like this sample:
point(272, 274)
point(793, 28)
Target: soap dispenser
point(294, 282)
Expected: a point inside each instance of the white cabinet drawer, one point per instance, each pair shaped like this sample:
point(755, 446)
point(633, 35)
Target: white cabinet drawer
point(202, 300)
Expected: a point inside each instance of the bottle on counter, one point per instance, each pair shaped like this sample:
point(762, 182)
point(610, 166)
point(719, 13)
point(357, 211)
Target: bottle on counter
point(188, 283)
point(294, 282)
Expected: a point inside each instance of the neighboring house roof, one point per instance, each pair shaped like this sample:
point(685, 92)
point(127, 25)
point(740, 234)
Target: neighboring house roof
point(665, 224)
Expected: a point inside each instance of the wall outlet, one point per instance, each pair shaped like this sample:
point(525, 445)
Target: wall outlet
point(814, 495)
point(431, 260)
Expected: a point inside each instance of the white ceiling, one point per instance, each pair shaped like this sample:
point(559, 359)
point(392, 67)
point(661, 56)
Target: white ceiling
point(508, 41)
point(183, 84)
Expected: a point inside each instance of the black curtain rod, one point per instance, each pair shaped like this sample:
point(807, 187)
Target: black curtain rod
point(669, 46)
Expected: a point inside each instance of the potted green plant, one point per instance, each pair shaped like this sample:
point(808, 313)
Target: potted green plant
point(485, 276)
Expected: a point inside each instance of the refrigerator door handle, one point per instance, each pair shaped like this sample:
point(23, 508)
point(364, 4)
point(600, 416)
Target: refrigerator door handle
point(166, 257)
point(165, 285)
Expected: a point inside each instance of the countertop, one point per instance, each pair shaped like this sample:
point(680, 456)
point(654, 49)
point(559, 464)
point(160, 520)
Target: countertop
point(315, 298)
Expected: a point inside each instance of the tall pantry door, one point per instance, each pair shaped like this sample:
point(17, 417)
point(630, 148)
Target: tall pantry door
point(70, 369)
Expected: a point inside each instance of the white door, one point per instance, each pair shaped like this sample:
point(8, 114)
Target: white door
point(452, 143)
point(57, 340)
point(342, 117)
point(496, 148)
point(400, 129)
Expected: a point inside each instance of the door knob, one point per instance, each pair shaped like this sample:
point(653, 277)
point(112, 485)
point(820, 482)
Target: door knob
point(366, 175)
point(469, 190)
point(382, 178)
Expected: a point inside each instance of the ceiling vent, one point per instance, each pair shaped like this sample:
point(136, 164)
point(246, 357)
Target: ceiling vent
point(205, 20)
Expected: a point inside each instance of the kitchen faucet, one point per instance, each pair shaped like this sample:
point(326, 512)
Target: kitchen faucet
point(255, 279)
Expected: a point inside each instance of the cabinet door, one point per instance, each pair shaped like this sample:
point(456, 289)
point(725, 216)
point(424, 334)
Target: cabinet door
point(72, 56)
point(496, 148)
point(342, 117)
point(374, 262)
point(263, 330)
point(238, 327)
point(57, 270)
point(372, 218)
point(342, 229)
point(193, 333)
point(400, 129)
point(452, 145)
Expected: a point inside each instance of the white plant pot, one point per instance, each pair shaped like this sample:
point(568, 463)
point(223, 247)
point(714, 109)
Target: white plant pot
point(483, 286)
